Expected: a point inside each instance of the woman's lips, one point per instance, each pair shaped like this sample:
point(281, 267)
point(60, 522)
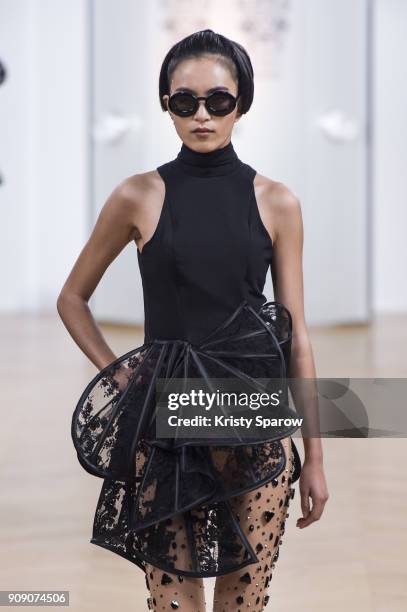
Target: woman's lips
point(202, 131)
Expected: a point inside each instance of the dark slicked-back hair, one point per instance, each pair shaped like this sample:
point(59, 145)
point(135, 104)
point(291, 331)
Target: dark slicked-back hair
point(205, 42)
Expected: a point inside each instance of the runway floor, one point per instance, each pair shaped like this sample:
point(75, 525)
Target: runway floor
point(353, 559)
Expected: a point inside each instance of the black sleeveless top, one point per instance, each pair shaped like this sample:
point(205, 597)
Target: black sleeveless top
point(210, 249)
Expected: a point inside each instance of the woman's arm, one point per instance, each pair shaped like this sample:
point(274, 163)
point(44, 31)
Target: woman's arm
point(287, 266)
point(116, 226)
point(282, 214)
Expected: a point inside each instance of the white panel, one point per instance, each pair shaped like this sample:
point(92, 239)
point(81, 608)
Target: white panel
point(390, 156)
point(335, 215)
point(121, 80)
point(43, 148)
point(14, 29)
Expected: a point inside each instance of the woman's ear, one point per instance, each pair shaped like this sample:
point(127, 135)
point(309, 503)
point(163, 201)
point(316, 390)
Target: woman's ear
point(165, 101)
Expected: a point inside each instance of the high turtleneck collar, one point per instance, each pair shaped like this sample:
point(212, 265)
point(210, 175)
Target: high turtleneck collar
point(214, 163)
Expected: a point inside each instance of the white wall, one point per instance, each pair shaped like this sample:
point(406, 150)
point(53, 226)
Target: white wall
point(390, 157)
point(43, 148)
point(44, 151)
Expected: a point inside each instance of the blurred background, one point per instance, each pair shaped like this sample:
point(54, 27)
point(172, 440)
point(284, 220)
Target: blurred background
point(79, 111)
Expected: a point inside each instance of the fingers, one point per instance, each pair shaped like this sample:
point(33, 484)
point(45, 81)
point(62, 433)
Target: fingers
point(318, 505)
point(305, 505)
point(122, 377)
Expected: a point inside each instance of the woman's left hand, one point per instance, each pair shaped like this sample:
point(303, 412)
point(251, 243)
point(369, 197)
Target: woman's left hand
point(312, 485)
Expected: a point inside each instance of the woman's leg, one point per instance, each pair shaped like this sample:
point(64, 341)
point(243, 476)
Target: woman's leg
point(261, 514)
point(173, 591)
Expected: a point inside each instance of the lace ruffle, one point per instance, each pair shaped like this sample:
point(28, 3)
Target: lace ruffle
point(165, 501)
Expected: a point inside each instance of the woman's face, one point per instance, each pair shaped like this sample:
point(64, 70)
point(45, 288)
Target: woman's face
point(200, 75)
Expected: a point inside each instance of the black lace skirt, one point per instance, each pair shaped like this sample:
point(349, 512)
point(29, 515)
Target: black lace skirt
point(164, 501)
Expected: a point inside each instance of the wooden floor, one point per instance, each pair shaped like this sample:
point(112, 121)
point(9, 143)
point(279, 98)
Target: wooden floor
point(354, 559)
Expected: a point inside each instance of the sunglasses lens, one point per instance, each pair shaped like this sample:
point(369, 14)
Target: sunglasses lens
point(221, 103)
point(182, 104)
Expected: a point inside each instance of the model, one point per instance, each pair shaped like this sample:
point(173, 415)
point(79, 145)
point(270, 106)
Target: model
point(207, 228)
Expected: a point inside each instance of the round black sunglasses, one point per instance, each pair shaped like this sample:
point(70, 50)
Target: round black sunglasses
point(185, 104)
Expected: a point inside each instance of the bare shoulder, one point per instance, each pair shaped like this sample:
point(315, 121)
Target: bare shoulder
point(137, 187)
point(275, 193)
point(278, 205)
point(140, 198)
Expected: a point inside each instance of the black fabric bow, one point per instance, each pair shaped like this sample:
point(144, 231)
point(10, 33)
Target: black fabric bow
point(113, 424)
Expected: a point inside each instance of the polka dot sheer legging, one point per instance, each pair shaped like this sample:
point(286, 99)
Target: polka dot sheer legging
point(261, 514)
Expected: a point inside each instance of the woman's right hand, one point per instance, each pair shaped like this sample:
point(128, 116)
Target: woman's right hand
point(312, 486)
point(122, 377)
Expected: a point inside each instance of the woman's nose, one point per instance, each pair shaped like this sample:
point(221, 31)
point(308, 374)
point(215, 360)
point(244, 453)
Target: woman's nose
point(202, 112)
